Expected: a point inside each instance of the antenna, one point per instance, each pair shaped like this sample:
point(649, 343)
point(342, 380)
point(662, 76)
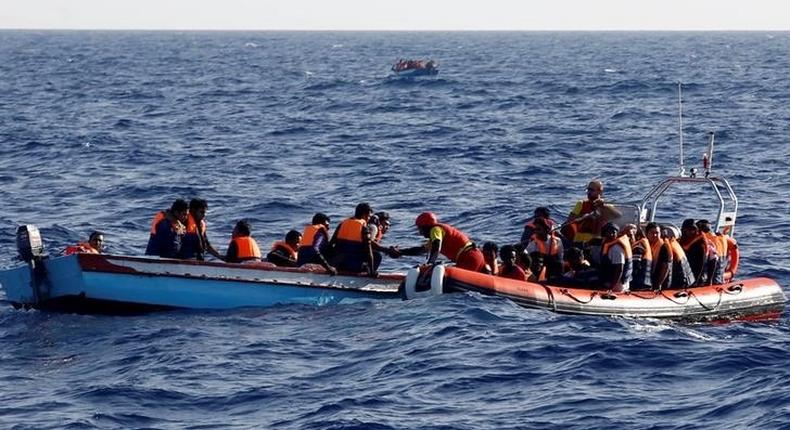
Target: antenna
point(707, 157)
point(680, 126)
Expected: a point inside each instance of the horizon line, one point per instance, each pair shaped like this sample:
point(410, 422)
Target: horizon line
point(602, 30)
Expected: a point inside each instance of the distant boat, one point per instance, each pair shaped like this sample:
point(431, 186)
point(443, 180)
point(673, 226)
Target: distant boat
point(413, 68)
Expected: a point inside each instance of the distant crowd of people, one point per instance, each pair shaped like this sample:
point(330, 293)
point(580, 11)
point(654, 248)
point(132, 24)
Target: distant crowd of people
point(586, 251)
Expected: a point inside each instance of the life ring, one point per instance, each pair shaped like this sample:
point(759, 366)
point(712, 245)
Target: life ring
point(734, 256)
point(413, 275)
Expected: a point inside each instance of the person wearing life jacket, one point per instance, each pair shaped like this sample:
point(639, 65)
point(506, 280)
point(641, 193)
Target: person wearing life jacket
point(195, 243)
point(242, 246)
point(585, 220)
point(446, 240)
point(720, 244)
point(92, 246)
point(167, 231)
point(352, 246)
point(285, 252)
point(529, 227)
point(550, 249)
point(661, 251)
point(509, 268)
point(642, 258)
point(616, 266)
point(379, 224)
point(682, 276)
point(314, 247)
point(698, 251)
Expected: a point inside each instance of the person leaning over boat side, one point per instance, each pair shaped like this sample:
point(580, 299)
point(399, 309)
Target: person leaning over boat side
point(509, 267)
point(447, 240)
point(682, 276)
point(719, 242)
point(195, 243)
point(642, 258)
point(549, 247)
point(242, 246)
point(352, 246)
point(661, 270)
point(314, 247)
point(616, 260)
point(92, 246)
point(284, 252)
point(697, 251)
point(167, 230)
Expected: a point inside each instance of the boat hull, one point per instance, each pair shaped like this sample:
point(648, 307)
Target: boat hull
point(120, 284)
point(750, 299)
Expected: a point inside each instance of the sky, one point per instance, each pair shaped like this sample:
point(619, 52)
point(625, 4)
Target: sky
point(771, 15)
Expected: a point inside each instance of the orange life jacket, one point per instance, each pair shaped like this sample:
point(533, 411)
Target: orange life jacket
point(682, 275)
point(246, 248)
point(643, 264)
point(553, 249)
point(309, 234)
point(286, 248)
point(82, 247)
point(719, 242)
point(192, 225)
point(591, 227)
point(157, 218)
point(351, 230)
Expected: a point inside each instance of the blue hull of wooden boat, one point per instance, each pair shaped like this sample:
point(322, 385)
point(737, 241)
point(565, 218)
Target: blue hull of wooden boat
point(120, 284)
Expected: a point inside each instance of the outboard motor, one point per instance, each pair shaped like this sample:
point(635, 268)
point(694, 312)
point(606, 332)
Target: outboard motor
point(29, 243)
point(31, 251)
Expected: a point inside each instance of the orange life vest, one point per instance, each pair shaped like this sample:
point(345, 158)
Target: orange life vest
point(553, 249)
point(308, 236)
point(643, 264)
point(286, 248)
point(157, 218)
point(590, 228)
point(82, 247)
point(192, 225)
point(606, 264)
point(682, 275)
point(246, 248)
point(351, 230)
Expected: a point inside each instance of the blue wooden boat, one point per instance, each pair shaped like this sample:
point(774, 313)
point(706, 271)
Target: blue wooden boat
point(114, 284)
point(415, 68)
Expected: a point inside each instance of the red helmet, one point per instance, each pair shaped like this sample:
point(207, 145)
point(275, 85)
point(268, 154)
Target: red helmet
point(426, 219)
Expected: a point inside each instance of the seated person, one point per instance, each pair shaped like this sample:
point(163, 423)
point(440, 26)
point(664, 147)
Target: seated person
point(285, 252)
point(92, 246)
point(509, 267)
point(490, 250)
point(314, 247)
point(549, 247)
point(167, 230)
point(242, 246)
point(529, 227)
point(616, 266)
point(580, 273)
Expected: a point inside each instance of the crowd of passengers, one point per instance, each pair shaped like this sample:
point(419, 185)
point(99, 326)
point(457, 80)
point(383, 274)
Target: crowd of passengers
point(586, 251)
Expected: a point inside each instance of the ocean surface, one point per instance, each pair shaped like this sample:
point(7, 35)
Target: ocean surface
point(98, 130)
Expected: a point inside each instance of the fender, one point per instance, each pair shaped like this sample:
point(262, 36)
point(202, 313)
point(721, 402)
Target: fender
point(734, 255)
point(413, 275)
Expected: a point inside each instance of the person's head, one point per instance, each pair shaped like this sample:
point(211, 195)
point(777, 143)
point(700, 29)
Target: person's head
point(574, 256)
point(703, 225)
point(96, 240)
point(383, 221)
point(508, 255)
point(522, 256)
point(198, 208)
point(180, 210)
point(537, 263)
point(542, 212)
point(630, 231)
point(670, 232)
point(320, 219)
point(541, 228)
point(242, 229)
point(688, 228)
point(490, 248)
point(609, 231)
point(594, 190)
point(363, 211)
point(293, 238)
point(652, 232)
point(425, 221)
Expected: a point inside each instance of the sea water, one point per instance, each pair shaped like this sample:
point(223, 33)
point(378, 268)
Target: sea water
point(99, 130)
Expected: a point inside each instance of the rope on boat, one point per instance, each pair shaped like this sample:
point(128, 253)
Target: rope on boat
point(674, 301)
point(552, 301)
point(732, 290)
point(567, 293)
point(691, 293)
point(655, 294)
